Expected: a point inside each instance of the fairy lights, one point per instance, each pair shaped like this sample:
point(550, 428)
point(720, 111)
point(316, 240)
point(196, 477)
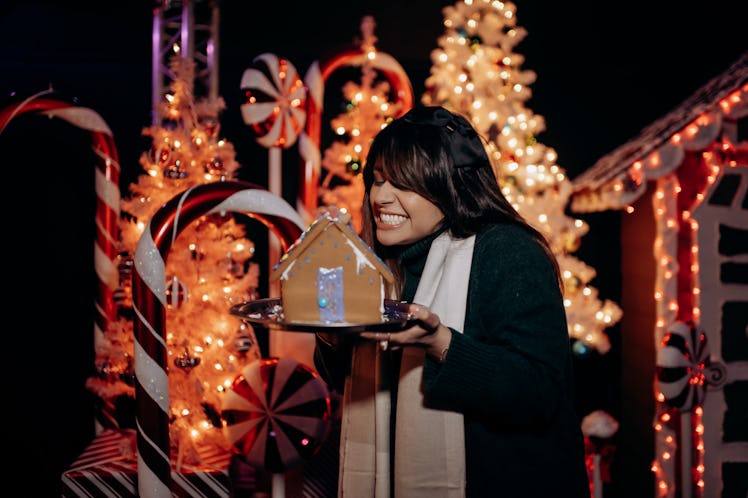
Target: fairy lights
point(673, 224)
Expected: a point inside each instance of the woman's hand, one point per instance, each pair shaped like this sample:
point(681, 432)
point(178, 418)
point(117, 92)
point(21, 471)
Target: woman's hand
point(428, 333)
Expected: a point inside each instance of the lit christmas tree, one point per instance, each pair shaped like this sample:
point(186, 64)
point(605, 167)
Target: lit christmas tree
point(367, 110)
point(208, 270)
point(476, 72)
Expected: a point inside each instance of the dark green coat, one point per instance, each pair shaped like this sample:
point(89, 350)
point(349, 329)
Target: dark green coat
point(509, 372)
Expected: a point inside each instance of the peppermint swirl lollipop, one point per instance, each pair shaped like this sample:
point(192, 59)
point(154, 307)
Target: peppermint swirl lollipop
point(275, 101)
point(277, 414)
point(684, 368)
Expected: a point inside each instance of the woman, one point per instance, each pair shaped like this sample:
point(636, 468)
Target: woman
point(475, 398)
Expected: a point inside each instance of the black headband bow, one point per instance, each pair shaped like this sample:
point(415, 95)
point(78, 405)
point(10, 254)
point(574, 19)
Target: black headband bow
point(463, 142)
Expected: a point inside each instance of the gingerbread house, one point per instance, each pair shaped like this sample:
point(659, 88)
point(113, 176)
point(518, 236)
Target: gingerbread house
point(683, 185)
point(331, 276)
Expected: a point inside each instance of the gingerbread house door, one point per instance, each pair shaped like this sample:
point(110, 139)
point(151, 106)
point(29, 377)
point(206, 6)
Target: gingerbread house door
point(722, 275)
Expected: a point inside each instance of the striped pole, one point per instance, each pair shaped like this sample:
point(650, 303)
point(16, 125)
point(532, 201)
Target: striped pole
point(149, 303)
point(107, 177)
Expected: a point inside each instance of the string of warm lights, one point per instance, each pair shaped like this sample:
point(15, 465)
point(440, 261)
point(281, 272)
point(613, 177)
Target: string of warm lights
point(681, 432)
point(621, 191)
point(665, 294)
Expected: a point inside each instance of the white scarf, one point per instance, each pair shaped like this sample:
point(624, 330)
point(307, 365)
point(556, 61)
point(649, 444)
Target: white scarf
point(429, 444)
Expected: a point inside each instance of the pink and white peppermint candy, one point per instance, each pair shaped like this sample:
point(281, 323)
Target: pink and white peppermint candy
point(275, 101)
point(277, 414)
point(684, 368)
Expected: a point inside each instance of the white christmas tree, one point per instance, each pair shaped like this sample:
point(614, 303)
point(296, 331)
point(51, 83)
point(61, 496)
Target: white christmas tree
point(208, 270)
point(367, 112)
point(368, 109)
point(476, 73)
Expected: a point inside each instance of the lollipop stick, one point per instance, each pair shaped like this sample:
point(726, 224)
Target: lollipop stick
point(277, 343)
point(275, 185)
point(282, 343)
point(279, 486)
point(597, 481)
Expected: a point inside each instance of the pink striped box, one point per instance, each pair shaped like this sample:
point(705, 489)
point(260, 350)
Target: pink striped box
point(108, 467)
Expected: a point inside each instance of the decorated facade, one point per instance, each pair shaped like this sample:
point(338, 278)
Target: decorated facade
point(682, 183)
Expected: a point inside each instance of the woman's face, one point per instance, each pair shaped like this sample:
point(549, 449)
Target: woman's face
point(401, 216)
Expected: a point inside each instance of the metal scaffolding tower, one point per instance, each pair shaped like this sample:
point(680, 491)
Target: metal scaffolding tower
point(175, 23)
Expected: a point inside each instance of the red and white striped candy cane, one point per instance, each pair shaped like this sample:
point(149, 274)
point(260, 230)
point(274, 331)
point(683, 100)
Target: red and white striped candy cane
point(107, 175)
point(309, 139)
point(149, 303)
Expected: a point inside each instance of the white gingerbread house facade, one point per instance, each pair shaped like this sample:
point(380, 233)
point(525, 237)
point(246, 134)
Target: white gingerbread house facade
point(683, 183)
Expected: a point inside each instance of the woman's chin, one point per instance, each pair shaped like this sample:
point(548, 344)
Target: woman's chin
point(393, 237)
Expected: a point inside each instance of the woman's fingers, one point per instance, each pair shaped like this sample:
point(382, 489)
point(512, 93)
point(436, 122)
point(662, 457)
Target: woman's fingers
point(429, 321)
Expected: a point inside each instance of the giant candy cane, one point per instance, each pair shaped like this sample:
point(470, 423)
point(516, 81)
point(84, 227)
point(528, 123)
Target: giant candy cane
point(107, 172)
point(149, 303)
point(310, 137)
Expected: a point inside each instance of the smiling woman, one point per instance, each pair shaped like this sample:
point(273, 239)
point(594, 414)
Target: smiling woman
point(487, 354)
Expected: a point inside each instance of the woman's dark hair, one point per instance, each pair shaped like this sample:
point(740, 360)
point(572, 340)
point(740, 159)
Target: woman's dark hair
point(439, 156)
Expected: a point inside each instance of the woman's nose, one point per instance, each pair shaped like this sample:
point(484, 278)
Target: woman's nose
point(382, 193)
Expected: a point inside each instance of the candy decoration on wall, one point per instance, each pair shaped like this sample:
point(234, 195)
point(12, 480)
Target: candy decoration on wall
point(106, 181)
point(684, 369)
point(315, 78)
point(277, 414)
point(149, 304)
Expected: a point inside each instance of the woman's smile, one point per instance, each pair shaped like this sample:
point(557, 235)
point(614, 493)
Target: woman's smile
point(388, 220)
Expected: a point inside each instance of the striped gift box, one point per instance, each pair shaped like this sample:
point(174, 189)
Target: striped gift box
point(108, 468)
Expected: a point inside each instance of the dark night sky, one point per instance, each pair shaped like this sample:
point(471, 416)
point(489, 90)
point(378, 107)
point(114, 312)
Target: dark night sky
point(604, 71)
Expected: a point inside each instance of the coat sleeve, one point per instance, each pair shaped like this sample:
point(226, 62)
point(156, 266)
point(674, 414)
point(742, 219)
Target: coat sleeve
point(512, 362)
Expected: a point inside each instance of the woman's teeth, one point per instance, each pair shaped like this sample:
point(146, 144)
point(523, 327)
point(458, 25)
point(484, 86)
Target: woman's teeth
point(392, 219)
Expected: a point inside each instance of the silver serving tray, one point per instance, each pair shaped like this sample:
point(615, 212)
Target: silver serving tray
point(268, 313)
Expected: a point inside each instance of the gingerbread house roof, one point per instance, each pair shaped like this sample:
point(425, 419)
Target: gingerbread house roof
point(620, 177)
point(335, 219)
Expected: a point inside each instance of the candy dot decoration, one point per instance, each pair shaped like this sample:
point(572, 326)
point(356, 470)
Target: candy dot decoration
point(149, 304)
point(684, 368)
point(277, 414)
point(107, 175)
point(275, 106)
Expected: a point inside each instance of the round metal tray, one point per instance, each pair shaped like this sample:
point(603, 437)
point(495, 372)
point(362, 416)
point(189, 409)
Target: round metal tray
point(268, 313)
